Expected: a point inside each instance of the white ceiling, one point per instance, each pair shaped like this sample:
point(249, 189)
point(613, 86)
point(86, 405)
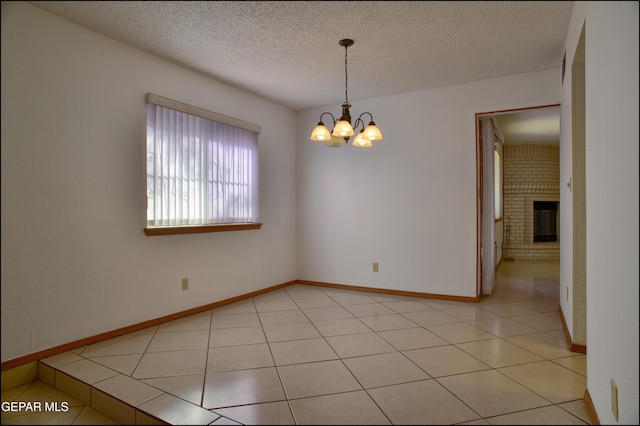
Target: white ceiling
point(288, 51)
point(539, 126)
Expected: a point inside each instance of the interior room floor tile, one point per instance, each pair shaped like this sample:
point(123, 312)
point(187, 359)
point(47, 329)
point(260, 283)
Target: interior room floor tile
point(87, 371)
point(317, 378)
point(268, 413)
point(235, 320)
point(174, 363)
point(244, 357)
point(553, 382)
point(503, 327)
point(406, 404)
point(349, 408)
point(541, 321)
point(299, 351)
point(576, 363)
point(242, 387)
point(353, 299)
point(405, 306)
point(242, 307)
point(274, 295)
point(324, 313)
point(498, 353)
point(459, 332)
point(490, 393)
point(316, 302)
point(174, 341)
point(188, 387)
point(275, 305)
point(578, 408)
point(126, 344)
point(341, 326)
point(307, 354)
point(430, 317)
point(387, 322)
point(507, 309)
point(178, 411)
point(384, 369)
point(298, 294)
point(470, 313)
point(290, 331)
point(369, 309)
point(359, 344)
point(543, 344)
point(445, 361)
point(282, 317)
point(236, 336)
point(550, 415)
point(412, 338)
point(128, 390)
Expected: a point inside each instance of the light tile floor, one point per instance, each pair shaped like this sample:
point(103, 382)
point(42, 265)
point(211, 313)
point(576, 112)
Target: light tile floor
point(315, 355)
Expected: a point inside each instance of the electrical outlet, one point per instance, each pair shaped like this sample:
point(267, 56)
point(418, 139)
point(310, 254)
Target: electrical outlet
point(614, 399)
point(375, 266)
point(185, 284)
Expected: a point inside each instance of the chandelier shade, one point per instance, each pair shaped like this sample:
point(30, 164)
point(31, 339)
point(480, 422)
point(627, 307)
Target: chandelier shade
point(372, 132)
point(320, 133)
point(334, 142)
point(361, 142)
point(342, 127)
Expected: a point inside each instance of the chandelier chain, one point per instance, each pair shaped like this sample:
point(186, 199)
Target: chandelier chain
point(346, 76)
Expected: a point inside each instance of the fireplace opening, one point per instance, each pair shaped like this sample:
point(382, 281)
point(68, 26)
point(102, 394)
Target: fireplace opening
point(544, 221)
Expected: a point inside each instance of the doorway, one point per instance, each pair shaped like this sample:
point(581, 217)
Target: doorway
point(506, 210)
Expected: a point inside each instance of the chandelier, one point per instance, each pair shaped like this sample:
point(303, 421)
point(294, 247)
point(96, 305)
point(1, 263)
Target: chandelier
point(342, 128)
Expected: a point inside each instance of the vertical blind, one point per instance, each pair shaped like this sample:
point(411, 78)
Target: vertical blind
point(199, 171)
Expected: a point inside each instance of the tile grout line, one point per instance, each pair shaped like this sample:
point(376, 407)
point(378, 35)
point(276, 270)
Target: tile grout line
point(442, 309)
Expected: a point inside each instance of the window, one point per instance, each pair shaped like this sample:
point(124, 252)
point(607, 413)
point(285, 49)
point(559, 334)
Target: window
point(202, 170)
point(497, 185)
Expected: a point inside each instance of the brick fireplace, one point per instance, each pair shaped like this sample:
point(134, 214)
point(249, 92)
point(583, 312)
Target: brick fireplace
point(532, 179)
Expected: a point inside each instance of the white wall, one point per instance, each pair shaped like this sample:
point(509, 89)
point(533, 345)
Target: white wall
point(566, 170)
point(611, 68)
point(409, 202)
point(75, 260)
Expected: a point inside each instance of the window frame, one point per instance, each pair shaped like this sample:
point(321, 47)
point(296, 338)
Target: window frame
point(212, 116)
point(498, 171)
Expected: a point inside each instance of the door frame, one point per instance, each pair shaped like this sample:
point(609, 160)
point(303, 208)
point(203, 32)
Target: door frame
point(480, 207)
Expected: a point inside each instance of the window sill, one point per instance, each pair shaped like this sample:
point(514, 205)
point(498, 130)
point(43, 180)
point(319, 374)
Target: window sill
point(199, 229)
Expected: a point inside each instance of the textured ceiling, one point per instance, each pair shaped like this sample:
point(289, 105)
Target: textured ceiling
point(288, 51)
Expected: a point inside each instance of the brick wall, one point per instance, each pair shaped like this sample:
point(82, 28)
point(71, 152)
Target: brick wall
point(531, 173)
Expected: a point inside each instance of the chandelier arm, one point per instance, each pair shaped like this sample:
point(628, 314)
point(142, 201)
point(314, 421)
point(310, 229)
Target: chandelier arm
point(333, 119)
point(370, 115)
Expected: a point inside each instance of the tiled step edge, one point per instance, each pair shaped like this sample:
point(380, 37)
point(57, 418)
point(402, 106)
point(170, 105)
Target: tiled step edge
point(96, 399)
